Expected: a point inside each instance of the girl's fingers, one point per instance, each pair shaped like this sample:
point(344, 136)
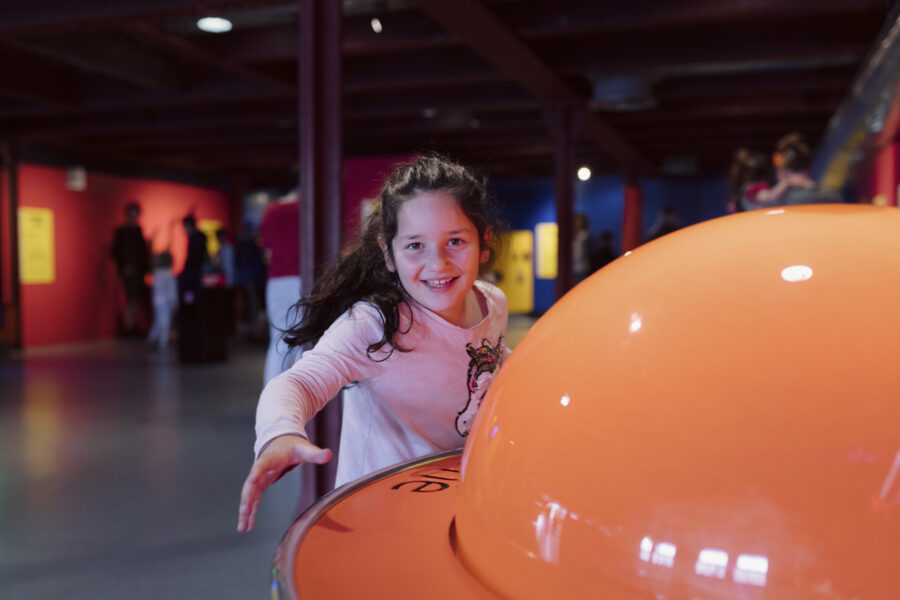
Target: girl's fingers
point(269, 468)
point(261, 476)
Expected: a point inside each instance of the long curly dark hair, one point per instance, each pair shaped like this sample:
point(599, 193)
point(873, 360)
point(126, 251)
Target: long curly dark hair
point(362, 274)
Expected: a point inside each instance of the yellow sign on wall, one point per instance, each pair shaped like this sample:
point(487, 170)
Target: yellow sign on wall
point(547, 243)
point(209, 227)
point(515, 273)
point(37, 262)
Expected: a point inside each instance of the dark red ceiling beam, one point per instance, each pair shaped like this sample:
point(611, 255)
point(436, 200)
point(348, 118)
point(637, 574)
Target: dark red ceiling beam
point(185, 49)
point(702, 114)
point(701, 60)
point(57, 89)
point(165, 125)
point(211, 95)
point(539, 18)
point(409, 30)
point(189, 142)
point(776, 82)
point(731, 128)
point(475, 25)
point(106, 53)
point(418, 70)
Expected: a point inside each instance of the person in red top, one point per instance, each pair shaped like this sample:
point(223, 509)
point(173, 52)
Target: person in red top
point(280, 233)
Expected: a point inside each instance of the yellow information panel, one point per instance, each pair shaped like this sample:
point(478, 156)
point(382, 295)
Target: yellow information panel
point(547, 246)
point(515, 272)
point(37, 262)
point(209, 227)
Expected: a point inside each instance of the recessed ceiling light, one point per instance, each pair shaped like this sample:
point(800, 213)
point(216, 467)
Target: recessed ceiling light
point(584, 173)
point(214, 24)
point(376, 25)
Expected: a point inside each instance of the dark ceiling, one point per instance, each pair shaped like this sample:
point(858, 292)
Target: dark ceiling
point(674, 85)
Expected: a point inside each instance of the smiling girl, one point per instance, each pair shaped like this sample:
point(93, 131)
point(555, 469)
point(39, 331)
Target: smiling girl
point(404, 321)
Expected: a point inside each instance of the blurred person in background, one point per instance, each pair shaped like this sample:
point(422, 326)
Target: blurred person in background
point(131, 254)
point(582, 247)
point(165, 301)
point(666, 222)
point(250, 281)
point(792, 161)
point(280, 240)
point(604, 252)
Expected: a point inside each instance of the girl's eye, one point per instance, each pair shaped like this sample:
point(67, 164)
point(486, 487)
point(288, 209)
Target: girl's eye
point(456, 242)
point(414, 246)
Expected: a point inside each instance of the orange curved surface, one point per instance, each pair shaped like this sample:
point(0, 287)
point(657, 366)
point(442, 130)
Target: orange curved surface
point(715, 415)
point(388, 539)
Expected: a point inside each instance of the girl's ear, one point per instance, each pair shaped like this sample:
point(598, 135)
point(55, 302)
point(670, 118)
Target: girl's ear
point(486, 246)
point(387, 256)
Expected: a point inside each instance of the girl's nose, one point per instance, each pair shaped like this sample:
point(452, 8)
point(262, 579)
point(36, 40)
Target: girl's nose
point(438, 258)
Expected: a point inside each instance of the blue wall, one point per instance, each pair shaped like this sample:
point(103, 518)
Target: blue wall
point(696, 199)
point(526, 202)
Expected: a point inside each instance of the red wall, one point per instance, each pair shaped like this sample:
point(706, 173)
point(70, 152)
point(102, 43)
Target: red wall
point(879, 177)
point(83, 301)
point(5, 250)
point(363, 178)
point(885, 182)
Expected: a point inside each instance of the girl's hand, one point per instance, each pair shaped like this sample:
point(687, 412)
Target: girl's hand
point(280, 456)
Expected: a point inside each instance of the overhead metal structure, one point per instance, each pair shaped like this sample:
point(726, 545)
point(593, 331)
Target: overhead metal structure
point(136, 83)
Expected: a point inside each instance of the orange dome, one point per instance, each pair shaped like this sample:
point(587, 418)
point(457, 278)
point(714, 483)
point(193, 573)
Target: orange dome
point(715, 415)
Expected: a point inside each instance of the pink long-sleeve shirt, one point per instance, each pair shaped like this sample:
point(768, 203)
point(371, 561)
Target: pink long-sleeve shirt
point(409, 405)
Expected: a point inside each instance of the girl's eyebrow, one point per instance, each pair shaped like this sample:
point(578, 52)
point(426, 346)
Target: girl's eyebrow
point(413, 236)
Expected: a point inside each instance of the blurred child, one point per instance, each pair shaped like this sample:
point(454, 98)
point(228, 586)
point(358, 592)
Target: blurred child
point(165, 299)
point(749, 181)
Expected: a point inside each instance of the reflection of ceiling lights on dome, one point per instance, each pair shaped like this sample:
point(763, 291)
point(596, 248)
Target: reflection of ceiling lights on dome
point(214, 24)
point(623, 93)
point(796, 273)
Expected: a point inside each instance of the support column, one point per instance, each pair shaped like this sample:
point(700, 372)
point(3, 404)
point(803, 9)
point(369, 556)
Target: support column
point(321, 178)
point(11, 322)
point(564, 121)
point(632, 213)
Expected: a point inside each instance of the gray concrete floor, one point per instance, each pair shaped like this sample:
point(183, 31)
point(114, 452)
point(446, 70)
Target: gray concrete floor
point(120, 474)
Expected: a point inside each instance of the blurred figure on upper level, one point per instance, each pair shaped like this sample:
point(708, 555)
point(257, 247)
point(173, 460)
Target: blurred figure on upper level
point(792, 161)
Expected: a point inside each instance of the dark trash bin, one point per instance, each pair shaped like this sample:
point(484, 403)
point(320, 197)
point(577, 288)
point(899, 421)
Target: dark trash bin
point(203, 319)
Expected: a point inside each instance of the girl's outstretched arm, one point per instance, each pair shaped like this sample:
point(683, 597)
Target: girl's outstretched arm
point(280, 456)
point(292, 398)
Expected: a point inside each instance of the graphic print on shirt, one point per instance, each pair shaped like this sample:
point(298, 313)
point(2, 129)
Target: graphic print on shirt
point(482, 364)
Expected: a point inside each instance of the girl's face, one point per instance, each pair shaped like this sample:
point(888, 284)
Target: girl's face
point(436, 254)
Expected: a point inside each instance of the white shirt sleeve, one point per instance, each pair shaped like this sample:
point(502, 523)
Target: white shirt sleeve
point(339, 358)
